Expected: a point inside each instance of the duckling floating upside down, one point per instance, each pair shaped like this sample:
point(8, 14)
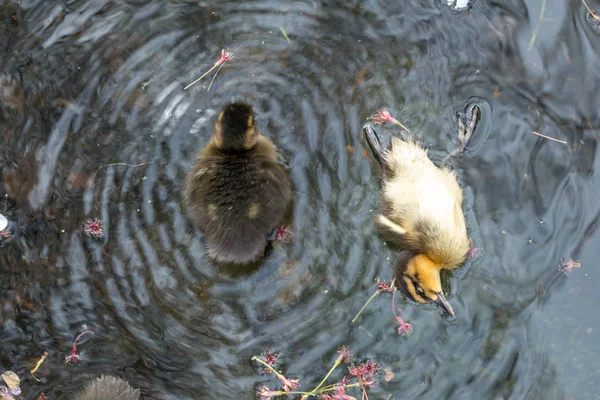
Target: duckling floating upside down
point(421, 210)
point(238, 191)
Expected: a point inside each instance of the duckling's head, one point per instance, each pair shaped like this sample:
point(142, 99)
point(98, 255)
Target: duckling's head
point(234, 129)
point(418, 276)
point(108, 388)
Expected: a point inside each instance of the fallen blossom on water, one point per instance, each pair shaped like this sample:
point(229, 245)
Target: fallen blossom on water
point(384, 286)
point(566, 265)
point(225, 56)
point(93, 228)
point(284, 234)
point(366, 372)
point(270, 358)
point(264, 393)
point(384, 116)
point(345, 353)
point(74, 358)
point(340, 394)
point(289, 384)
point(405, 329)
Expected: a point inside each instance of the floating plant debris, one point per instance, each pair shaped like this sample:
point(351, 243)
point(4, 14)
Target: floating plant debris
point(93, 228)
point(363, 375)
point(384, 116)
point(225, 56)
point(74, 358)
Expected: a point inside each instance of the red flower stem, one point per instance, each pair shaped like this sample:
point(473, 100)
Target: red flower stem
point(74, 348)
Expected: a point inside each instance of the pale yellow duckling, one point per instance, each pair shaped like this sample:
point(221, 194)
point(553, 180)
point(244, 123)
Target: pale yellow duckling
point(421, 210)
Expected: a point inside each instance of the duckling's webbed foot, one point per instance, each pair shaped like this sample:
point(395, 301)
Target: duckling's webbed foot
point(465, 131)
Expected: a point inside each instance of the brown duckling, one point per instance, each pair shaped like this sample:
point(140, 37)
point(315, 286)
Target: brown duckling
point(238, 190)
point(421, 210)
point(108, 388)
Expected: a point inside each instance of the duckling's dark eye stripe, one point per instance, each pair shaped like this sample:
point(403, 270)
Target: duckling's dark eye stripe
point(413, 294)
point(414, 282)
point(417, 285)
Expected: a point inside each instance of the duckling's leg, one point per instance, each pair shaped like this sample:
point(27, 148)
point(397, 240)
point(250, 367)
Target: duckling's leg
point(465, 132)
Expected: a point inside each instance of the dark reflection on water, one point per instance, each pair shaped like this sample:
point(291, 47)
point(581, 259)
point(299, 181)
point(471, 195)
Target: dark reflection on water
point(90, 83)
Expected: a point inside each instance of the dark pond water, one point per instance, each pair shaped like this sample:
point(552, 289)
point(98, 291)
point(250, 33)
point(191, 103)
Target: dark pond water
point(97, 82)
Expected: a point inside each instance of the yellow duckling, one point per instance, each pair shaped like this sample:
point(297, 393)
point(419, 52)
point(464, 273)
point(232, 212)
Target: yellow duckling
point(238, 191)
point(421, 210)
point(108, 388)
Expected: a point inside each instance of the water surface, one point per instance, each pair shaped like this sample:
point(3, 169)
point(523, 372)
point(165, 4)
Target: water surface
point(87, 84)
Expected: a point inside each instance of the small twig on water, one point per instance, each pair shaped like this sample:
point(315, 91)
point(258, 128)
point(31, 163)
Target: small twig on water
point(382, 287)
point(214, 76)
point(284, 33)
point(597, 18)
point(548, 137)
point(38, 364)
point(123, 164)
point(537, 27)
point(225, 56)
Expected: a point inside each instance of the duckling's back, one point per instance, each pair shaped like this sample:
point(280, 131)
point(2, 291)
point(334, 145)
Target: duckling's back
point(108, 388)
point(238, 199)
point(426, 202)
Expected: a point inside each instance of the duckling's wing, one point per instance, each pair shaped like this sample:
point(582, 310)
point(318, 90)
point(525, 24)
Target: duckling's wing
point(426, 203)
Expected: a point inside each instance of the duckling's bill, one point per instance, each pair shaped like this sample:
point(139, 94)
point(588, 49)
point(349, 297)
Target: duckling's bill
point(442, 302)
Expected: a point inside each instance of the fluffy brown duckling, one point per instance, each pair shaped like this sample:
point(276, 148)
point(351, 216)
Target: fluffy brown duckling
point(108, 388)
point(421, 210)
point(238, 190)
